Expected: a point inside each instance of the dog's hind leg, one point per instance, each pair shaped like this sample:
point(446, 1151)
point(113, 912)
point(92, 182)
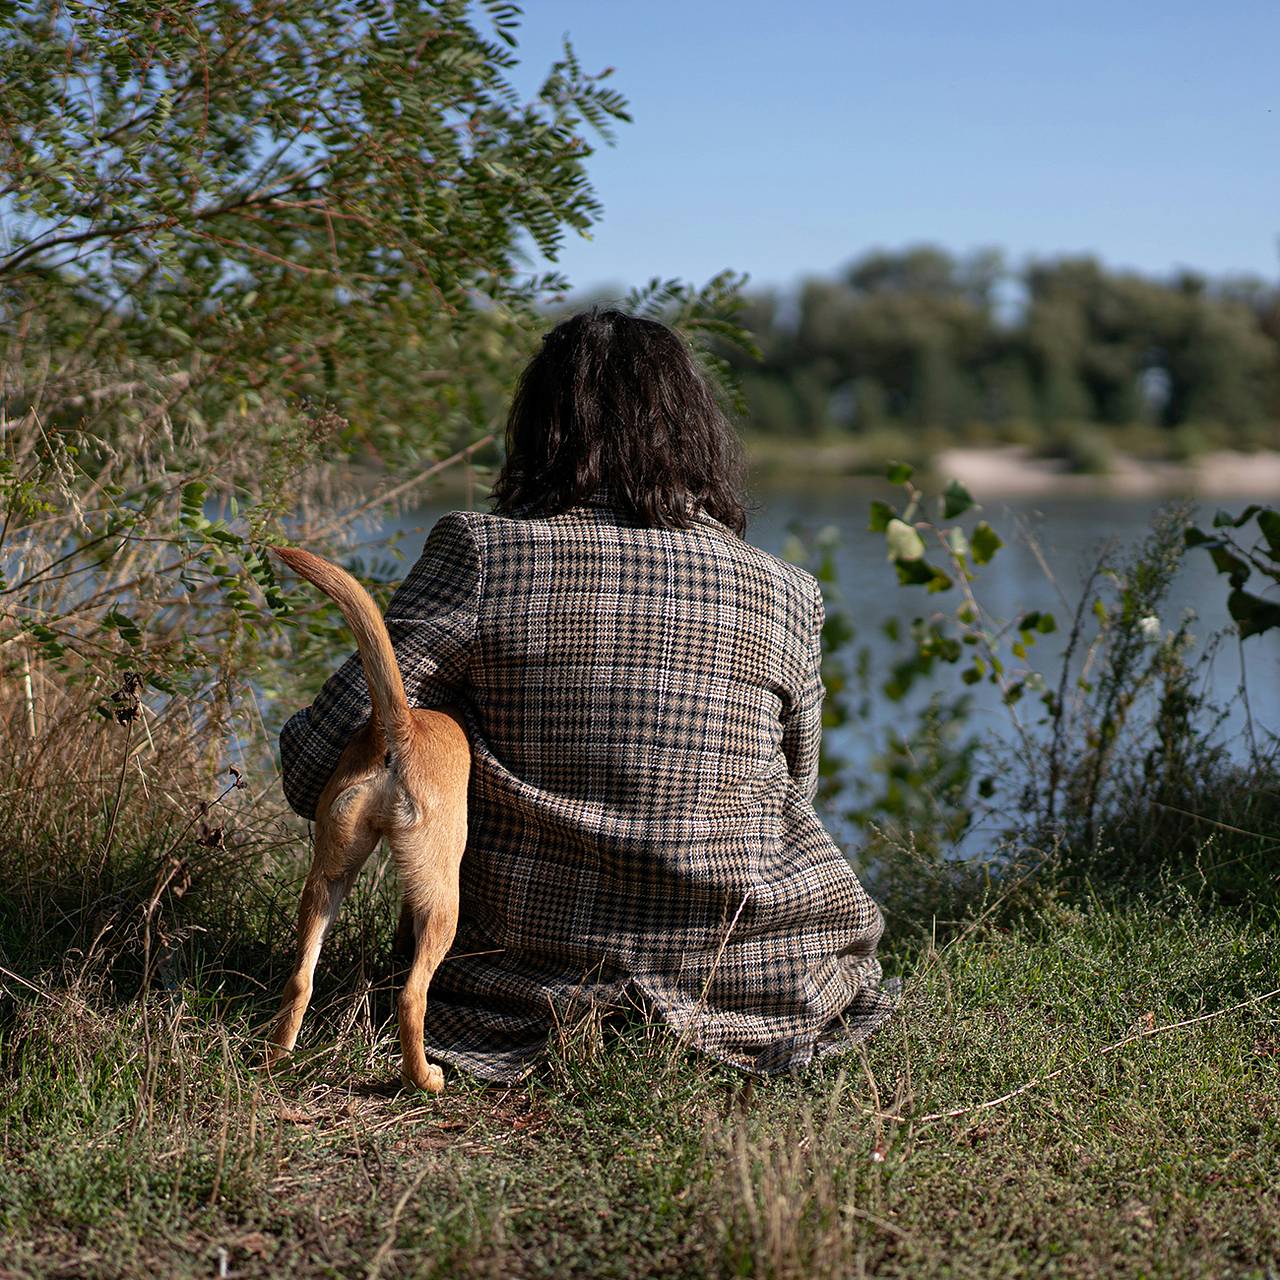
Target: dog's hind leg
point(428, 865)
point(344, 840)
point(435, 928)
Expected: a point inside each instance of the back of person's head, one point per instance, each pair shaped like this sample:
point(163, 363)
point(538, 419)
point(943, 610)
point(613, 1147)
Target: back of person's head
point(616, 402)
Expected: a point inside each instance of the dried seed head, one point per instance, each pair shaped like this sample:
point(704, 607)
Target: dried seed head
point(126, 700)
point(211, 837)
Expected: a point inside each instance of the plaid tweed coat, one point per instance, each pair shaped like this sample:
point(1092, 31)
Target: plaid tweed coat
point(644, 709)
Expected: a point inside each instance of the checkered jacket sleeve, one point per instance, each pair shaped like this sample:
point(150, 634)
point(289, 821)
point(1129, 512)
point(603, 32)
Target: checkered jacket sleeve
point(432, 622)
point(802, 724)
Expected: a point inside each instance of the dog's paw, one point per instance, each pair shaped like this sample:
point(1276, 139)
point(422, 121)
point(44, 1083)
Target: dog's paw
point(275, 1054)
point(430, 1081)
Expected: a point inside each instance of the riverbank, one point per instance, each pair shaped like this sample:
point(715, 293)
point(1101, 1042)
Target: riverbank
point(1009, 471)
point(988, 471)
point(1014, 471)
point(1080, 1082)
point(1081, 1079)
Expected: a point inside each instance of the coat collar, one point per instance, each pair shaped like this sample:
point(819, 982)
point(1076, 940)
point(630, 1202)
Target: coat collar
point(601, 496)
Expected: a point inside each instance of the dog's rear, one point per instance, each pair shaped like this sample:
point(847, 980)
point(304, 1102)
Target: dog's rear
point(403, 778)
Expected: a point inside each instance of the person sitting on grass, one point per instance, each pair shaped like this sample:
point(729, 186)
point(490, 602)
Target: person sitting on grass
point(643, 695)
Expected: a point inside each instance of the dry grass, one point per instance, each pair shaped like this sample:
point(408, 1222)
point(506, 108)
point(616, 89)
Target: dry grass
point(145, 930)
point(144, 1139)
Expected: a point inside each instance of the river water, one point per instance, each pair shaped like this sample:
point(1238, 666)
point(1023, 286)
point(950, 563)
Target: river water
point(1070, 531)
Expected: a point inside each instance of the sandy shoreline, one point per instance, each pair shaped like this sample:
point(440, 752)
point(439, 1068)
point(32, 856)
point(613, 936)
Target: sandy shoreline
point(1007, 471)
point(1012, 471)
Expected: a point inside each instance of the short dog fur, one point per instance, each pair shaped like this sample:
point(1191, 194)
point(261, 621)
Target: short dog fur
point(402, 778)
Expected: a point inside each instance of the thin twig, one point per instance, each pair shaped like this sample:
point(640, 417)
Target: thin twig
point(1213, 822)
point(115, 806)
point(393, 1224)
point(1144, 1034)
point(687, 1031)
point(31, 986)
point(1059, 709)
point(400, 489)
point(1244, 695)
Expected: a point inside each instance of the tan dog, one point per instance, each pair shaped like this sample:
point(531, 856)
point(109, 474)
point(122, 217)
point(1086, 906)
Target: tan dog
point(402, 778)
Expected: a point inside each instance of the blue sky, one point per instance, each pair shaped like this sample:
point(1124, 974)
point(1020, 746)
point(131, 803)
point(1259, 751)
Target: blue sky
point(784, 140)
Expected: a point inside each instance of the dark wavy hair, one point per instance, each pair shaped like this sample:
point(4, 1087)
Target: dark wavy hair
point(617, 402)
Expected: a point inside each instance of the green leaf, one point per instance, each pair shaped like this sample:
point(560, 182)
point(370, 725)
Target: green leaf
point(899, 472)
point(913, 572)
point(1252, 614)
point(836, 632)
point(129, 630)
point(956, 500)
point(179, 336)
point(904, 542)
point(881, 514)
point(1269, 523)
point(1236, 569)
point(985, 542)
point(1013, 693)
point(919, 573)
point(1224, 519)
point(50, 645)
point(191, 512)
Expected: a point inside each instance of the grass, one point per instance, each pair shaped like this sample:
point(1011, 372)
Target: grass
point(140, 1137)
point(1083, 1079)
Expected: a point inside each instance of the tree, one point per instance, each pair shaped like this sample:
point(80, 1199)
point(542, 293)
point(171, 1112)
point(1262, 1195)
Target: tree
point(917, 326)
point(1223, 368)
point(924, 339)
point(237, 240)
point(311, 199)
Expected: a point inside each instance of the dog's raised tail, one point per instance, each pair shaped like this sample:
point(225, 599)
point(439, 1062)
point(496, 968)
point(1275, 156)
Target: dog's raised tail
point(386, 686)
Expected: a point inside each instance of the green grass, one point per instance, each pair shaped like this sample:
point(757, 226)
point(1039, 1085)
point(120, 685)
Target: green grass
point(142, 1139)
point(139, 1135)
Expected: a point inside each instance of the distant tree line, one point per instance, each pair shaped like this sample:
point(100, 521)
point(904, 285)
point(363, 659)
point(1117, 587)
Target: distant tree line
point(956, 346)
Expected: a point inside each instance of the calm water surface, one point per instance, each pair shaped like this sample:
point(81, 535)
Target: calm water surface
point(1071, 531)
